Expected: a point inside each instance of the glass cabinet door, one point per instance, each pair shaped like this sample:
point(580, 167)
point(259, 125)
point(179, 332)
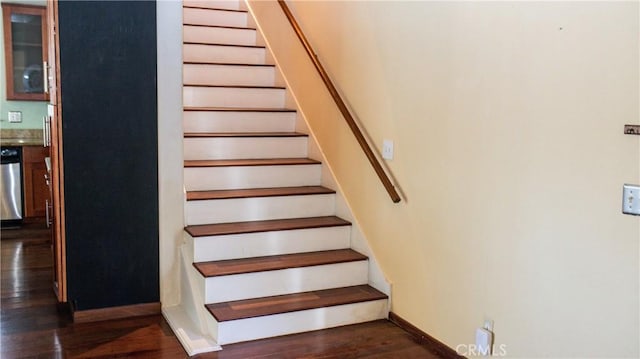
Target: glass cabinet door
point(25, 40)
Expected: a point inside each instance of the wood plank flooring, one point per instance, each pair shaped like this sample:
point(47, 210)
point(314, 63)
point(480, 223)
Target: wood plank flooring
point(32, 325)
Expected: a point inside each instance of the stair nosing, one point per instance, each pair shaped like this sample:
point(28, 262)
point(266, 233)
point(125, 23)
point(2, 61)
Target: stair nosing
point(258, 162)
point(374, 295)
point(293, 224)
point(213, 9)
point(237, 86)
point(204, 63)
point(222, 26)
point(281, 262)
point(242, 134)
point(238, 109)
point(230, 45)
point(320, 191)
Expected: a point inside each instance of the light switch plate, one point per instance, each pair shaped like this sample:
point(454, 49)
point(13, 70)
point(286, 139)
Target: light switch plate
point(631, 199)
point(15, 116)
point(387, 149)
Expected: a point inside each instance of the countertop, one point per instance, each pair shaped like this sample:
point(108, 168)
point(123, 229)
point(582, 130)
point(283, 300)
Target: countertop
point(19, 137)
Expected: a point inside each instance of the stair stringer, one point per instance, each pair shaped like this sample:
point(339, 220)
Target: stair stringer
point(192, 288)
point(188, 318)
point(359, 242)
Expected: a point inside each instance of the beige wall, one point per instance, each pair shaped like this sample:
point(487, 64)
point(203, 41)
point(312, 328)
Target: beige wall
point(507, 119)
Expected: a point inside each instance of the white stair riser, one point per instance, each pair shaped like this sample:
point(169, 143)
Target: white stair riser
point(219, 35)
point(216, 148)
point(214, 17)
point(233, 97)
point(214, 4)
point(260, 244)
point(259, 208)
point(285, 281)
point(228, 75)
point(301, 321)
point(236, 177)
point(223, 54)
point(226, 121)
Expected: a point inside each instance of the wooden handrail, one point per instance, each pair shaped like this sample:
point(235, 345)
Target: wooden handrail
point(386, 182)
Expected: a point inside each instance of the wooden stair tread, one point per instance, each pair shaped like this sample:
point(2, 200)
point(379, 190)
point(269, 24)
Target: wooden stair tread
point(238, 109)
point(257, 192)
point(251, 308)
point(222, 26)
point(213, 44)
point(225, 64)
point(251, 162)
point(270, 263)
point(237, 86)
point(265, 226)
point(244, 134)
point(210, 8)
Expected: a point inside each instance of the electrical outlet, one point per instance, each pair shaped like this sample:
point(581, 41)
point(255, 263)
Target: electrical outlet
point(484, 339)
point(387, 149)
point(631, 199)
point(15, 116)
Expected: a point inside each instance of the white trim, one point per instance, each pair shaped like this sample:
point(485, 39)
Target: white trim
point(170, 163)
point(190, 338)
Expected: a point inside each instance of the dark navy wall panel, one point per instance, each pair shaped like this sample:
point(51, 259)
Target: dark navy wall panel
point(109, 116)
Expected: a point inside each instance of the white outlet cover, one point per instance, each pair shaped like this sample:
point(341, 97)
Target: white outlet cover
point(631, 199)
point(483, 341)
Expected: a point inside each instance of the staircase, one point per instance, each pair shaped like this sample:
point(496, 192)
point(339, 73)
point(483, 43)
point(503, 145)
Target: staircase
point(264, 253)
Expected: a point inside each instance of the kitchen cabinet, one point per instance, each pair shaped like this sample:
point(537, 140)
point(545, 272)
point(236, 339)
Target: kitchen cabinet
point(25, 46)
point(36, 191)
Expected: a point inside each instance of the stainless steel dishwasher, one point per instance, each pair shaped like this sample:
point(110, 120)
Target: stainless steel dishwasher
point(11, 186)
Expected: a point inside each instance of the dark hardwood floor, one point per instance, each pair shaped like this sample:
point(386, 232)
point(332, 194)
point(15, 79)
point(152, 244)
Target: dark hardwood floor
point(32, 325)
